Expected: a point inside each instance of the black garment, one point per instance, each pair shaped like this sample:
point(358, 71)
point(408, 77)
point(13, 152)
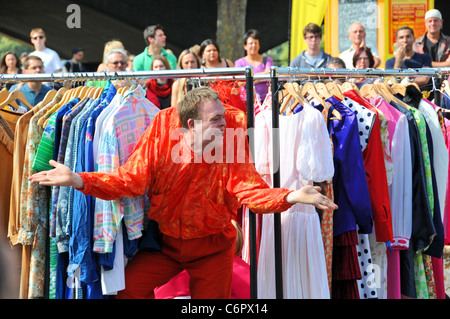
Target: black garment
point(165, 102)
point(422, 225)
point(73, 67)
point(414, 97)
point(431, 48)
point(423, 228)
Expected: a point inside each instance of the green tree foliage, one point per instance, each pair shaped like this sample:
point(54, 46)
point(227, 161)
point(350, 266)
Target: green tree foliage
point(8, 44)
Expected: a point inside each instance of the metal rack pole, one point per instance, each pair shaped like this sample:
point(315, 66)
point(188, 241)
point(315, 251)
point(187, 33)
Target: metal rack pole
point(77, 76)
point(276, 183)
point(251, 215)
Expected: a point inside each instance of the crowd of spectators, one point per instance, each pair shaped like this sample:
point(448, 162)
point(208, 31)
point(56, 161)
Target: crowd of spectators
point(429, 50)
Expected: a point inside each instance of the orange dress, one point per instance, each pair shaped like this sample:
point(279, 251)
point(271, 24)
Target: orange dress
point(191, 196)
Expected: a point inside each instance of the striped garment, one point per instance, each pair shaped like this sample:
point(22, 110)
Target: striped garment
point(122, 129)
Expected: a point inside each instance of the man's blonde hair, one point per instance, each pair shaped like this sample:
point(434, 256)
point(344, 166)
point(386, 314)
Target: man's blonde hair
point(187, 107)
point(36, 30)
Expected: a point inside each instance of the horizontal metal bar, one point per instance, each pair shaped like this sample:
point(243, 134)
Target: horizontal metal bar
point(326, 72)
point(224, 74)
point(79, 76)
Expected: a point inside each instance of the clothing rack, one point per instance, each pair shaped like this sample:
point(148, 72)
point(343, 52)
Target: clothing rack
point(278, 75)
point(246, 74)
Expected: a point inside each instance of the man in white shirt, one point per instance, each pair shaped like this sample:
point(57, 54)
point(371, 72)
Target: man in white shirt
point(52, 62)
point(357, 34)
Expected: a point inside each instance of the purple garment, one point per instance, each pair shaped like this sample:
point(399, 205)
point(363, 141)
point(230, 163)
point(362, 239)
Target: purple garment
point(260, 88)
point(349, 181)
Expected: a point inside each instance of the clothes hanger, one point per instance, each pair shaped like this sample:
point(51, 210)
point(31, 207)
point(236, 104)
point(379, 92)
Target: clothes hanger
point(290, 94)
point(90, 91)
point(49, 96)
point(385, 91)
point(413, 83)
point(98, 92)
point(369, 91)
point(66, 96)
point(323, 91)
point(4, 94)
point(399, 88)
point(76, 92)
point(346, 86)
point(335, 90)
point(16, 95)
point(309, 89)
point(82, 92)
point(389, 95)
point(60, 93)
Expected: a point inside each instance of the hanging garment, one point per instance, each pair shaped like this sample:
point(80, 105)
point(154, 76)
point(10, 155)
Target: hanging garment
point(121, 131)
point(376, 176)
point(349, 174)
point(367, 284)
point(353, 211)
point(441, 157)
point(306, 157)
point(422, 228)
point(400, 191)
point(6, 153)
point(34, 209)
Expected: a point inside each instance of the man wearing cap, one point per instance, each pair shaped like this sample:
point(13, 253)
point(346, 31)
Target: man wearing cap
point(434, 42)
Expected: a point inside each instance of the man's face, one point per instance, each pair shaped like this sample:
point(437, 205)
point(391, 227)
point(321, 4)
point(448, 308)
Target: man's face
point(116, 62)
point(405, 38)
point(312, 40)
point(433, 25)
point(78, 56)
point(38, 38)
point(357, 34)
point(159, 40)
point(34, 67)
point(212, 117)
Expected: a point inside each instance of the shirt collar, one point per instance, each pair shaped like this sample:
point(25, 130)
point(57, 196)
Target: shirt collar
point(163, 52)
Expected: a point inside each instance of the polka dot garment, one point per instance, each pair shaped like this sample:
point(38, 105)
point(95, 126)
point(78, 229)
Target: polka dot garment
point(366, 119)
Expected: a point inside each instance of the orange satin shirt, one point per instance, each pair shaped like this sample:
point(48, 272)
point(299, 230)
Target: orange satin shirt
point(192, 198)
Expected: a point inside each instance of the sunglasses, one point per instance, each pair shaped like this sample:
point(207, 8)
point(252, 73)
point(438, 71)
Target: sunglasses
point(38, 37)
point(117, 62)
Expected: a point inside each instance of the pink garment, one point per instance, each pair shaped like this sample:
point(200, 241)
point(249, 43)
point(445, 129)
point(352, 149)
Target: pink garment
point(178, 286)
point(393, 275)
point(438, 274)
point(446, 213)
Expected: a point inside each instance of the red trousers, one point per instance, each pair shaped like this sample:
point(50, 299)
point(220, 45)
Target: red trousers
point(208, 260)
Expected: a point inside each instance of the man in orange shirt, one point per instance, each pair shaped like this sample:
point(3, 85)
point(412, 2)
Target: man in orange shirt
point(196, 177)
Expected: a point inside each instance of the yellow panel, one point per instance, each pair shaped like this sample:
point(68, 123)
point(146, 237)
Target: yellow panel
point(302, 13)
